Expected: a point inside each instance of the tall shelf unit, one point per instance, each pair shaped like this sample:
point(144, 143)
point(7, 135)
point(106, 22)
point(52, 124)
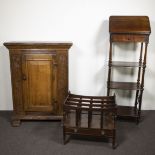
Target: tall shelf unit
point(127, 29)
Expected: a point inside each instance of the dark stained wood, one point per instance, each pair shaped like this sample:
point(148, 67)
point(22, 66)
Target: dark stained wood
point(129, 38)
point(124, 85)
point(129, 24)
point(127, 112)
point(127, 29)
point(90, 115)
point(109, 70)
point(125, 64)
point(39, 72)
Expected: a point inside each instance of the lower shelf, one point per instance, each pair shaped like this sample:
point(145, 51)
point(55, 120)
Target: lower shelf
point(127, 112)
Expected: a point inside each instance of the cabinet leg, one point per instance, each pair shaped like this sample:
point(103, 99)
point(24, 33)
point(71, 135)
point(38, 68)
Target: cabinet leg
point(15, 123)
point(64, 136)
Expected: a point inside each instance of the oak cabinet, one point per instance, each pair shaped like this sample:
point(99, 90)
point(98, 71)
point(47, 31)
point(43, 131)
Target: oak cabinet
point(39, 73)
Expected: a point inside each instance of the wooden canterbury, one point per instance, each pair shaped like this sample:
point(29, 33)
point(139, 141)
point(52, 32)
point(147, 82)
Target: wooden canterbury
point(89, 115)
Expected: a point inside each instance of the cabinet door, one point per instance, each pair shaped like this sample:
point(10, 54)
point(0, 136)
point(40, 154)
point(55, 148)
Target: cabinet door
point(39, 82)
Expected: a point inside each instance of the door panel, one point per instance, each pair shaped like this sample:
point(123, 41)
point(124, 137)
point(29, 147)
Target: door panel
point(38, 85)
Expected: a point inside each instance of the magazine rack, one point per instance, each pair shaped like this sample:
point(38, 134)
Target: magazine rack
point(90, 116)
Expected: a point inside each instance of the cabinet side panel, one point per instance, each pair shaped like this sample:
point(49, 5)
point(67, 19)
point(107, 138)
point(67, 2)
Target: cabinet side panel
point(15, 62)
point(62, 85)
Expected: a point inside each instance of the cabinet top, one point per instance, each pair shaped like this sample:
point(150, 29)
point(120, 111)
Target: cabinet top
point(38, 45)
point(129, 24)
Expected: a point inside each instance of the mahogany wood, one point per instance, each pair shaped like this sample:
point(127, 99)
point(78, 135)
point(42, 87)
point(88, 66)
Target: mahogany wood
point(127, 112)
point(90, 115)
point(124, 85)
point(129, 25)
point(125, 64)
point(127, 29)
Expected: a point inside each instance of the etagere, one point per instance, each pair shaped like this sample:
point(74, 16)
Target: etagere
point(127, 29)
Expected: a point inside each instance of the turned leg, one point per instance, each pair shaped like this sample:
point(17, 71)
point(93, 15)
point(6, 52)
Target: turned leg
point(114, 140)
point(64, 136)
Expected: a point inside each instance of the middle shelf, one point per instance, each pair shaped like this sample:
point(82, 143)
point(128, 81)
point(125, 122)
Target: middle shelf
point(125, 64)
point(124, 85)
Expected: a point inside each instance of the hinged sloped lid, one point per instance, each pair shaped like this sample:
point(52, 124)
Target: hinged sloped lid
point(129, 24)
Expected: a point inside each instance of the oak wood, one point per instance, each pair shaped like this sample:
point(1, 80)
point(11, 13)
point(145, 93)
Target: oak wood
point(39, 73)
point(38, 84)
point(38, 45)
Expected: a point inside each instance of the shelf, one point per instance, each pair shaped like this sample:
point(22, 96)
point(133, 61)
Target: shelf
point(125, 64)
point(126, 112)
point(124, 85)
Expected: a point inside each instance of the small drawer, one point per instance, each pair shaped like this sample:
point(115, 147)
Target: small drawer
point(90, 131)
point(129, 38)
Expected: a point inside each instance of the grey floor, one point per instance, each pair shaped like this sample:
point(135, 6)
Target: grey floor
point(45, 138)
